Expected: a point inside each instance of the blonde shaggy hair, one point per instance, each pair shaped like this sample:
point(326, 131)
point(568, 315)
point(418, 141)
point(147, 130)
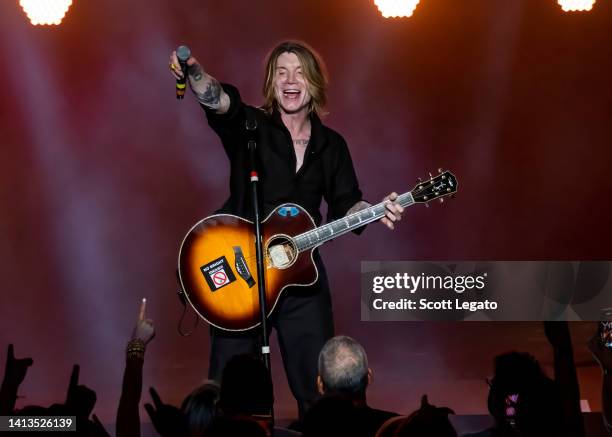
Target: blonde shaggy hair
point(312, 68)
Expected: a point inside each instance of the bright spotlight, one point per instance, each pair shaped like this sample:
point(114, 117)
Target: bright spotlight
point(396, 8)
point(576, 5)
point(45, 11)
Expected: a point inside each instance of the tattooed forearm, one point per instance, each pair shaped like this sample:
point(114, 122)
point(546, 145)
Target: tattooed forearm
point(208, 90)
point(196, 72)
point(212, 95)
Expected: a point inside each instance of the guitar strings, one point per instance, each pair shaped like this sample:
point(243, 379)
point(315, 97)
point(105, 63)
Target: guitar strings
point(414, 193)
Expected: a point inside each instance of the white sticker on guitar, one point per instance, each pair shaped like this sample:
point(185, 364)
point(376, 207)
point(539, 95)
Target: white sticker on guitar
point(219, 278)
point(218, 273)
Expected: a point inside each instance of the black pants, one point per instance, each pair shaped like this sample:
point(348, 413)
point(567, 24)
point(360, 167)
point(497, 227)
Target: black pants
point(303, 321)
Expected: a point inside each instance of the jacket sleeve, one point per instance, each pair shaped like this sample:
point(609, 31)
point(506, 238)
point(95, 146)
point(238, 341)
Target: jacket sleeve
point(231, 125)
point(342, 186)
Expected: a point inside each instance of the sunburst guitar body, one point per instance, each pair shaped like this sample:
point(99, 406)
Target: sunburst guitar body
point(217, 259)
point(217, 265)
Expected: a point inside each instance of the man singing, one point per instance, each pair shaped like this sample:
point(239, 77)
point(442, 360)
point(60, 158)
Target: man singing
point(300, 161)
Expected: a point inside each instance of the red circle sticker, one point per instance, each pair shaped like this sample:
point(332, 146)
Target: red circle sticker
point(219, 278)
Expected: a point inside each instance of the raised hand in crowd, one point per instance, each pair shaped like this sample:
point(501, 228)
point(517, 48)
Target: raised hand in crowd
point(428, 420)
point(144, 329)
point(14, 374)
point(431, 420)
point(128, 418)
point(558, 334)
point(566, 378)
point(168, 420)
point(16, 369)
point(603, 355)
point(96, 429)
point(80, 400)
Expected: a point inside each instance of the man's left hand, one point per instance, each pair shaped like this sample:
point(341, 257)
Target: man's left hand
point(394, 211)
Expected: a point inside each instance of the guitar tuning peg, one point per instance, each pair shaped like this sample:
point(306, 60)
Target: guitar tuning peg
point(427, 205)
point(430, 175)
point(419, 180)
point(440, 170)
point(441, 199)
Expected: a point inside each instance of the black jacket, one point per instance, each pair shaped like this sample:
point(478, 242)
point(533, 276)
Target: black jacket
point(327, 172)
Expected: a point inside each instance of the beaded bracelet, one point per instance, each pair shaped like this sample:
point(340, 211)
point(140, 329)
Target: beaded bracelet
point(135, 348)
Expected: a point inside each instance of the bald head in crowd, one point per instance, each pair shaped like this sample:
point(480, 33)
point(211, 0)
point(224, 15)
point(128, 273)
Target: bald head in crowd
point(344, 375)
point(343, 368)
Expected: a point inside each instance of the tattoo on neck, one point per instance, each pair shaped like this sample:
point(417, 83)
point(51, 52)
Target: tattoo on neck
point(301, 142)
point(212, 96)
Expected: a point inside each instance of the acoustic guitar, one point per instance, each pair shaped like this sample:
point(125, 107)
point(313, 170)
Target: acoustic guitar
point(217, 263)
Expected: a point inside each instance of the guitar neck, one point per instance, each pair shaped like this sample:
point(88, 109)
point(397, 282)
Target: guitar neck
point(322, 234)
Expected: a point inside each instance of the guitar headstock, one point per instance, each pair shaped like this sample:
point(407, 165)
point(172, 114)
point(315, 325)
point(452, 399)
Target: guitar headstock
point(436, 187)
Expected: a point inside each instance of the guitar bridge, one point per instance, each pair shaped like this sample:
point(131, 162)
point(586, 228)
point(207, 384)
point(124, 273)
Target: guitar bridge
point(242, 268)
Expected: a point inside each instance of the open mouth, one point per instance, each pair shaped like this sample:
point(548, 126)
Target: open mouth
point(292, 94)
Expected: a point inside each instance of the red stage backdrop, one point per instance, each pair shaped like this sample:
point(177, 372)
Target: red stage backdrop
point(102, 172)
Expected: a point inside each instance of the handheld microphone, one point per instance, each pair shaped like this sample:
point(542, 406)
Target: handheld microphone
point(182, 53)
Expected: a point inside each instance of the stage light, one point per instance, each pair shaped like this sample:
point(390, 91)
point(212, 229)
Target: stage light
point(45, 11)
point(396, 8)
point(576, 5)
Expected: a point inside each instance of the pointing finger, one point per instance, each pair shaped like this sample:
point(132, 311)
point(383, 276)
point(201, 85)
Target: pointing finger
point(156, 399)
point(143, 307)
point(74, 376)
point(150, 410)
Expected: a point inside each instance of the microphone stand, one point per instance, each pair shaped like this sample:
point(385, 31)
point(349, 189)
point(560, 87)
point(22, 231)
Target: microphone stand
point(251, 128)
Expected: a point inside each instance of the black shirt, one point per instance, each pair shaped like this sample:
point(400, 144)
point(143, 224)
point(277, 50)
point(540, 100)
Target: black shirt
point(327, 171)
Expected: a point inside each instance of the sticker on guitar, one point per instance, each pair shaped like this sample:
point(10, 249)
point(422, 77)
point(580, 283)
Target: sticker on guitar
point(290, 211)
point(218, 273)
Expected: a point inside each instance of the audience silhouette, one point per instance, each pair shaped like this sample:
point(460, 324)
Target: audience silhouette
point(522, 399)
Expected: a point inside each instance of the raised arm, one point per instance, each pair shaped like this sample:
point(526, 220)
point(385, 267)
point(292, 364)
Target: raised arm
point(14, 375)
point(128, 419)
point(603, 355)
point(206, 88)
point(566, 379)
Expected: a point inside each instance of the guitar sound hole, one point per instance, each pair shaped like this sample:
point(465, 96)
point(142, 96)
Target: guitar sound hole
point(281, 252)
